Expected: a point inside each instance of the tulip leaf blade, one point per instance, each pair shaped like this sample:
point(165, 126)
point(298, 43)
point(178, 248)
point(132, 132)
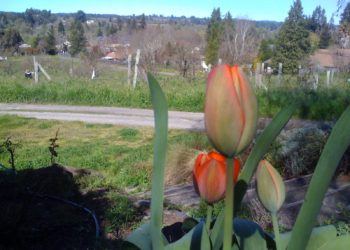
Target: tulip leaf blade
point(337, 144)
point(141, 237)
point(319, 237)
point(182, 244)
point(339, 243)
point(249, 235)
point(217, 234)
point(160, 108)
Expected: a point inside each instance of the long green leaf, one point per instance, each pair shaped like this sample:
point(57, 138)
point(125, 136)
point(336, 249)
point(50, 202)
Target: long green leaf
point(182, 244)
point(319, 237)
point(333, 151)
point(160, 108)
point(141, 237)
point(259, 150)
point(339, 243)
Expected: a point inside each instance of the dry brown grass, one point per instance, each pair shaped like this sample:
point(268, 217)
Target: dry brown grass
point(179, 164)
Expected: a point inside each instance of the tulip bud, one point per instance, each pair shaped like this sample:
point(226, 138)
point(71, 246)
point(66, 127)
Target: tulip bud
point(209, 176)
point(270, 187)
point(231, 110)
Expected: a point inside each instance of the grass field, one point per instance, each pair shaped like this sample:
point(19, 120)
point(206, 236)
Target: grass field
point(121, 156)
point(111, 89)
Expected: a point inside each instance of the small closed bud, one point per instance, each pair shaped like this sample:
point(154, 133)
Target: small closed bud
point(270, 187)
point(209, 176)
point(231, 110)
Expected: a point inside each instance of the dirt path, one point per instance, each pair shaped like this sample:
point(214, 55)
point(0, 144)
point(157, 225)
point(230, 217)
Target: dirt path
point(122, 116)
point(103, 115)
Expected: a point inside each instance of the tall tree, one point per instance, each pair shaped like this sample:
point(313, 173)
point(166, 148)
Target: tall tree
point(325, 37)
point(80, 16)
point(266, 49)
point(143, 22)
point(344, 28)
point(50, 42)
point(11, 39)
point(345, 16)
point(213, 37)
point(120, 23)
point(292, 44)
point(318, 20)
point(61, 29)
point(77, 38)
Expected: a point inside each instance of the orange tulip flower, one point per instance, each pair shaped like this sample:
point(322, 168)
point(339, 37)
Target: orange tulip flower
point(209, 176)
point(231, 110)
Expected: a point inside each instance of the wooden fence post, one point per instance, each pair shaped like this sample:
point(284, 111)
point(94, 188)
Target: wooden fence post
point(136, 67)
point(36, 78)
point(44, 72)
point(129, 69)
point(279, 73)
point(93, 75)
point(262, 68)
point(328, 77)
point(258, 76)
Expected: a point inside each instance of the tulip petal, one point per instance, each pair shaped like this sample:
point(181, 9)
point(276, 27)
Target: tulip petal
point(223, 111)
point(209, 176)
point(250, 109)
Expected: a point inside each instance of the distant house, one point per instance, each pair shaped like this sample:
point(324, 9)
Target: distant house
point(115, 56)
point(117, 52)
point(89, 22)
point(24, 46)
point(331, 58)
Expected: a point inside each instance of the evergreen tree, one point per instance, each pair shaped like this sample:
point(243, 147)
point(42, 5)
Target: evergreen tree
point(11, 39)
point(50, 42)
point(34, 41)
point(80, 16)
point(143, 22)
point(318, 20)
point(213, 37)
point(266, 49)
point(292, 44)
point(325, 37)
point(61, 29)
point(120, 23)
point(77, 38)
point(133, 24)
point(345, 16)
point(229, 25)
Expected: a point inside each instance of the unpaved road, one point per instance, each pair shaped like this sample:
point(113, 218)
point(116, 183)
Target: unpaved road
point(131, 117)
point(103, 115)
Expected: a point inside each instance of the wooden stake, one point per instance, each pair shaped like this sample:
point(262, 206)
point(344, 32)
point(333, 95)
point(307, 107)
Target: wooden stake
point(136, 67)
point(129, 69)
point(279, 73)
point(44, 72)
point(328, 77)
point(36, 78)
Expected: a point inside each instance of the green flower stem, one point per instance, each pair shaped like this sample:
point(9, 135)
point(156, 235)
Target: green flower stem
point(276, 230)
point(228, 228)
point(208, 220)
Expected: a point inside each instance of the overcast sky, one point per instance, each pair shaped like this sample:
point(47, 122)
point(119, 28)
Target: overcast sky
point(254, 9)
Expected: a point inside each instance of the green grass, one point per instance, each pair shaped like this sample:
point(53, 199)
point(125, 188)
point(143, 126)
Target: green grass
point(111, 89)
point(122, 156)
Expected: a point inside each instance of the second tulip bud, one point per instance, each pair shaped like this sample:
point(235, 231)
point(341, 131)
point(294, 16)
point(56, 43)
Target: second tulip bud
point(209, 176)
